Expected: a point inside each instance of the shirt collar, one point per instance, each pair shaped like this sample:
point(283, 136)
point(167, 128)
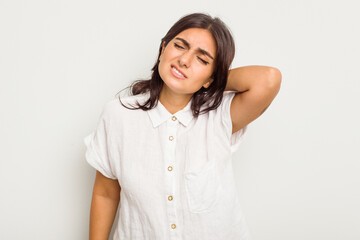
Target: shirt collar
point(160, 114)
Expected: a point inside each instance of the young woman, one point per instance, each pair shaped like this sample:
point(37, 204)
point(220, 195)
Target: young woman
point(164, 152)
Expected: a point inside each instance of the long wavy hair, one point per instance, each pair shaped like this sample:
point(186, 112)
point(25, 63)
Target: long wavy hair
point(225, 51)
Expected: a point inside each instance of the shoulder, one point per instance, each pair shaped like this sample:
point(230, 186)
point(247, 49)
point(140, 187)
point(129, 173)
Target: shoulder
point(224, 105)
point(219, 123)
point(229, 94)
point(117, 104)
point(120, 105)
point(221, 114)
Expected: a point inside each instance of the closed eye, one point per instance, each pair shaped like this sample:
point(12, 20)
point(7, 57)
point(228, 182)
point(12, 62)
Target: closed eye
point(178, 46)
point(203, 61)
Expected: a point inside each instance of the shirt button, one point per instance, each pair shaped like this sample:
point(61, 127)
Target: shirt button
point(170, 168)
point(174, 118)
point(173, 226)
point(170, 198)
point(171, 138)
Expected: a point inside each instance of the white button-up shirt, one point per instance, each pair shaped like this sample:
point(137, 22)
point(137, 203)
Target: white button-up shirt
point(175, 171)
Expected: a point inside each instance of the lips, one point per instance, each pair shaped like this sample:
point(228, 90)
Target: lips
point(177, 73)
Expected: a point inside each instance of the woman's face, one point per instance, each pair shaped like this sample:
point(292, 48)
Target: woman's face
point(187, 61)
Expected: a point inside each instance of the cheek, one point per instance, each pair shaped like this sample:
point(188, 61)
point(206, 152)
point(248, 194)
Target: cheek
point(161, 68)
point(204, 72)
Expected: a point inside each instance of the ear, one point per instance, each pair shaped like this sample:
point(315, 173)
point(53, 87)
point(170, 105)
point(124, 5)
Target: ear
point(208, 83)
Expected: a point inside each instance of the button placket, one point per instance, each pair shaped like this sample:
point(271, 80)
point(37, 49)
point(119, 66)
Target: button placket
point(171, 130)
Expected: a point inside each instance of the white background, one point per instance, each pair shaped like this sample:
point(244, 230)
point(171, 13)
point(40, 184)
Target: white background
point(61, 61)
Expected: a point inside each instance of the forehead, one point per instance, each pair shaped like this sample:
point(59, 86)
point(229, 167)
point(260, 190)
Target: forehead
point(199, 38)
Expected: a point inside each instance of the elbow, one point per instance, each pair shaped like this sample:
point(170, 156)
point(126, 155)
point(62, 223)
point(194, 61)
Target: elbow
point(274, 79)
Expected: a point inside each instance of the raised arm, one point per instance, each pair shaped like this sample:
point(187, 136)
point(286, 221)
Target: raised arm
point(257, 86)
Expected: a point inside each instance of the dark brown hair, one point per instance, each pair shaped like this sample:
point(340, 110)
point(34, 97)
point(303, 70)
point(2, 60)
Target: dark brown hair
point(225, 51)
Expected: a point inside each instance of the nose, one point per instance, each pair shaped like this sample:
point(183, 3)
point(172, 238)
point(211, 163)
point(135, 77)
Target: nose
point(185, 59)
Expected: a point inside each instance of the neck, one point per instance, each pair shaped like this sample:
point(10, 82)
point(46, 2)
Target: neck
point(173, 102)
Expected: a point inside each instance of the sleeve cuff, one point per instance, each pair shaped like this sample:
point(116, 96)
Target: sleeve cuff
point(93, 158)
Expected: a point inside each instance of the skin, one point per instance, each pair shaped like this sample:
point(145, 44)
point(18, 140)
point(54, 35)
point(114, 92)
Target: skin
point(176, 93)
point(256, 87)
point(104, 204)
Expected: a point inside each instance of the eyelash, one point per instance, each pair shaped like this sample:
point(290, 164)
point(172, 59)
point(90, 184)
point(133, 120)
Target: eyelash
point(202, 60)
point(178, 46)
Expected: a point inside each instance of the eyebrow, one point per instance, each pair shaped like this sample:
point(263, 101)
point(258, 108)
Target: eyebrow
point(187, 44)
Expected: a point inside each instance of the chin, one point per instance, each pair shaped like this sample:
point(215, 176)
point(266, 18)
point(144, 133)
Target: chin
point(175, 88)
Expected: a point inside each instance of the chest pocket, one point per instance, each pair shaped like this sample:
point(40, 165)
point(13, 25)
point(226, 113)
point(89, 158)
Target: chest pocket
point(202, 183)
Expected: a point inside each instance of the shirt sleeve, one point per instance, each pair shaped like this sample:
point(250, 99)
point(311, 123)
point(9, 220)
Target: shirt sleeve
point(237, 137)
point(98, 147)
